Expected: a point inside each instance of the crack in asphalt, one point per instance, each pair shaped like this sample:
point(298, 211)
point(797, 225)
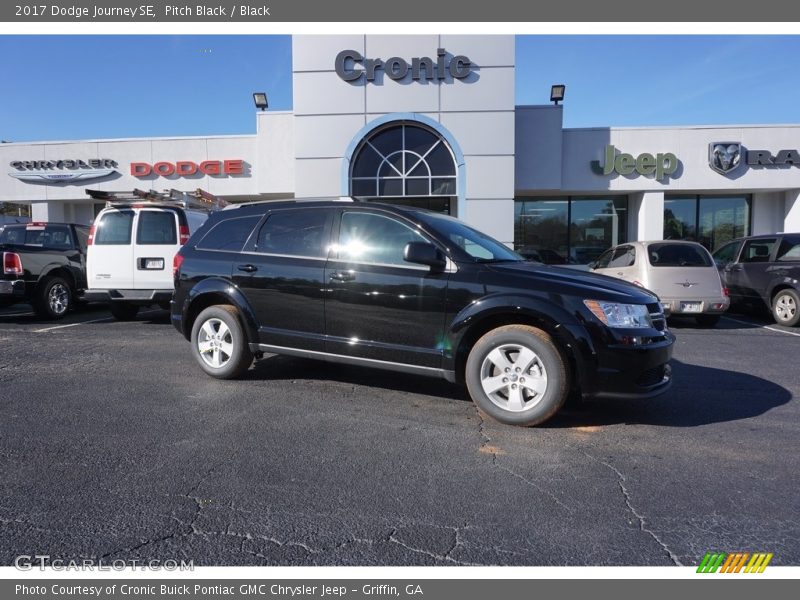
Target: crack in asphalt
point(621, 479)
point(440, 557)
point(485, 443)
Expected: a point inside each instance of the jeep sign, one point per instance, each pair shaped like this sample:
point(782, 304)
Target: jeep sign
point(351, 66)
point(661, 165)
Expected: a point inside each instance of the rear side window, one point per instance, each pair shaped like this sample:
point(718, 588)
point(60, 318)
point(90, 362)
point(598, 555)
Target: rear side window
point(624, 256)
point(678, 255)
point(114, 228)
point(156, 228)
point(295, 233)
point(57, 237)
point(757, 250)
point(789, 250)
point(229, 235)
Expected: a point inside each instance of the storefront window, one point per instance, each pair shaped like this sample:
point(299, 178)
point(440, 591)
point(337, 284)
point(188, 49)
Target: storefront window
point(711, 220)
point(569, 230)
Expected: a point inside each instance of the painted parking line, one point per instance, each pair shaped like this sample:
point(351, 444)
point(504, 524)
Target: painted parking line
point(104, 319)
point(762, 326)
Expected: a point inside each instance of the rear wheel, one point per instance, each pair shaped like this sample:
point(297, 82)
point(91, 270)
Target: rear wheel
point(219, 343)
point(786, 308)
point(517, 375)
point(53, 298)
point(124, 311)
point(707, 320)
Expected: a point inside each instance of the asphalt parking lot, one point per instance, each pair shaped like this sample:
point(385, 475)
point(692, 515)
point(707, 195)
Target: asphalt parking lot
point(113, 444)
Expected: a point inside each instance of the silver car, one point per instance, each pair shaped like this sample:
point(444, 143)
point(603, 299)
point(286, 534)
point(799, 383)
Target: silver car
point(682, 274)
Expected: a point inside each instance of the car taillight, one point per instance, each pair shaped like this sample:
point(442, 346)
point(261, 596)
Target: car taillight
point(12, 264)
point(91, 236)
point(177, 261)
point(184, 234)
point(726, 292)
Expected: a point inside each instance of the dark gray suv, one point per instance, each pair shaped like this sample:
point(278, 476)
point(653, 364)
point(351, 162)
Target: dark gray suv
point(764, 270)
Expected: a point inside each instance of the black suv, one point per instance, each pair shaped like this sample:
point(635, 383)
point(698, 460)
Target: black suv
point(44, 264)
point(413, 291)
point(764, 271)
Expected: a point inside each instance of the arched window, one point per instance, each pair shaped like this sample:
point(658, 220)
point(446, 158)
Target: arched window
point(403, 160)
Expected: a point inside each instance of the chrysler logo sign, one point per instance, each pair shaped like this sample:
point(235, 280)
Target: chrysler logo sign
point(727, 157)
point(61, 170)
point(351, 66)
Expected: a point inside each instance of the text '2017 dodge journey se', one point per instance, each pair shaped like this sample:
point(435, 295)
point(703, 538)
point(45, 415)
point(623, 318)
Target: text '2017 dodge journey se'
point(414, 291)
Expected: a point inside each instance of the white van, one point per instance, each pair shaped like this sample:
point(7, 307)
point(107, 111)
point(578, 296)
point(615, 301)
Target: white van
point(130, 253)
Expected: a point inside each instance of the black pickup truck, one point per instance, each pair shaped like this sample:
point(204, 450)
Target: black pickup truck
point(44, 264)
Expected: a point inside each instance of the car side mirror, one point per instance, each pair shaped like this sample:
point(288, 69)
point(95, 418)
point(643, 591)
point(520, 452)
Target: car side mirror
point(423, 253)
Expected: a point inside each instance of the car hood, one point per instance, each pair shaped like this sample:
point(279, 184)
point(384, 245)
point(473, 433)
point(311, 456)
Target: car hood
point(572, 281)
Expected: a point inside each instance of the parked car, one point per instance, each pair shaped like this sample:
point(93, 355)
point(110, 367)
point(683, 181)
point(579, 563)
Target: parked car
point(418, 292)
point(131, 248)
point(682, 274)
point(764, 271)
point(44, 264)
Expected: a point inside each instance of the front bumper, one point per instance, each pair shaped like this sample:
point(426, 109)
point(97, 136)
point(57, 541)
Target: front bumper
point(12, 290)
point(612, 369)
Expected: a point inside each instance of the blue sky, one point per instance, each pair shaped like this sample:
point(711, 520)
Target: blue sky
point(74, 87)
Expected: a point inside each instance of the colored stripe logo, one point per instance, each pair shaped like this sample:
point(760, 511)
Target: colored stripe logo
point(735, 562)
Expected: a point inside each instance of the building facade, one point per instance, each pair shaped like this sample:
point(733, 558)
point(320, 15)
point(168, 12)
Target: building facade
point(431, 121)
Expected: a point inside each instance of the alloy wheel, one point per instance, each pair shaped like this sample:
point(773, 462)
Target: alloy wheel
point(513, 377)
point(215, 343)
point(58, 298)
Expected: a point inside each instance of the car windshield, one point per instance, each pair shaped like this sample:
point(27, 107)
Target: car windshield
point(678, 255)
point(479, 246)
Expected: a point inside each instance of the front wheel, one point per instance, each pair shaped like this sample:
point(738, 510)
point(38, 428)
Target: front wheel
point(785, 307)
point(517, 375)
point(53, 298)
point(219, 343)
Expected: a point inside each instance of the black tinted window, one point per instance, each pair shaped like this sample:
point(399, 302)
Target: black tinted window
point(156, 227)
point(302, 232)
point(51, 237)
point(678, 255)
point(114, 228)
point(757, 250)
point(230, 234)
point(605, 258)
point(789, 250)
point(57, 237)
point(726, 254)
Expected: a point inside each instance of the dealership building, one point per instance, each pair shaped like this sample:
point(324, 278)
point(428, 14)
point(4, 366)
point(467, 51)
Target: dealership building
point(431, 121)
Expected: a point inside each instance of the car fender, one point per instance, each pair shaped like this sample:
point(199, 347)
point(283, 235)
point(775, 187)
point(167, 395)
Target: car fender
point(55, 266)
point(219, 286)
point(573, 336)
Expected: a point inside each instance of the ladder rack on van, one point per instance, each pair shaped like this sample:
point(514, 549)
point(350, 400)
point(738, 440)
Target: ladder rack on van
point(197, 200)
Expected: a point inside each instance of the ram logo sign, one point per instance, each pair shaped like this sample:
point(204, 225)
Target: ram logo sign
point(724, 157)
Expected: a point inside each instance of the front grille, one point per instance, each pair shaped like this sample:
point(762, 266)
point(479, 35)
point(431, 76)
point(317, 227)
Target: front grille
point(657, 316)
point(651, 376)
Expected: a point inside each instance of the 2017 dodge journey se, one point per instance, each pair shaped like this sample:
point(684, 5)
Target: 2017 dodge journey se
point(415, 291)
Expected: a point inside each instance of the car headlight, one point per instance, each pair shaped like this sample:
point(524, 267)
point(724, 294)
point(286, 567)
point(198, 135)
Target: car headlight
point(616, 314)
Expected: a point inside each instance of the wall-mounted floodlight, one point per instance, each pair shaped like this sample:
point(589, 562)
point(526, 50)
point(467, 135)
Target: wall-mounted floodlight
point(260, 99)
point(557, 93)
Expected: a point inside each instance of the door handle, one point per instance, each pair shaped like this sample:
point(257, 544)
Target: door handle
point(247, 268)
point(343, 276)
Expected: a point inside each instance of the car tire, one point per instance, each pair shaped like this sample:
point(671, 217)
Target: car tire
point(786, 308)
point(52, 298)
point(707, 320)
point(517, 375)
point(124, 311)
point(219, 343)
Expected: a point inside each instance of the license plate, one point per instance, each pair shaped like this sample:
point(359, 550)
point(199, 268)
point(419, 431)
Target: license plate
point(691, 307)
point(154, 263)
